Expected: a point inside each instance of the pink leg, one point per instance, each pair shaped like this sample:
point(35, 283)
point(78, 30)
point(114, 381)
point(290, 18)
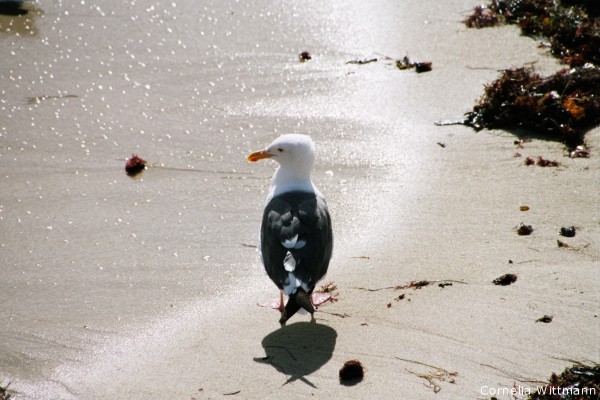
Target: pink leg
point(281, 304)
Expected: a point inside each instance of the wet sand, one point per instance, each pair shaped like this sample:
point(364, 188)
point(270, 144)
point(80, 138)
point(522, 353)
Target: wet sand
point(147, 288)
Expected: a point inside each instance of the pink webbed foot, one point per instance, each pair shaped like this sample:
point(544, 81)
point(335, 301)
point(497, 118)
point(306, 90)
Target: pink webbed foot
point(275, 304)
point(320, 298)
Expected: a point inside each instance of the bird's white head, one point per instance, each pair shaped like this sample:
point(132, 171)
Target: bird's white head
point(291, 150)
point(295, 154)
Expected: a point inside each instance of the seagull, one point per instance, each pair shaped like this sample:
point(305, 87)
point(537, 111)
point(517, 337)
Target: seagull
point(296, 239)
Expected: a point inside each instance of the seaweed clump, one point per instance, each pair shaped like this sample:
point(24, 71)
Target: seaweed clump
point(571, 26)
point(574, 383)
point(560, 107)
point(485, 16)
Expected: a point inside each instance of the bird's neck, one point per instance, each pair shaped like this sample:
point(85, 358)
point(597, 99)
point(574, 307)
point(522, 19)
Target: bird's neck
point(290, 180)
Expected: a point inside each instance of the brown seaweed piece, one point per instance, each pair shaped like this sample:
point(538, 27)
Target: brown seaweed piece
point(362, 61)
point(542, 162)
point(405, 63)
point(328, 287)
point(413, 284)
point(545, 319)
point(524, 230)
point(529, 161)
point(505, 280)
point(483, 17)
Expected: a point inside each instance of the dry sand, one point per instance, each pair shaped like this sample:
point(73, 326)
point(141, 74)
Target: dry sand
point(144, 289)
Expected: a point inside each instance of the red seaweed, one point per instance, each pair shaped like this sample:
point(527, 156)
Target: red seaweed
point(135, 165)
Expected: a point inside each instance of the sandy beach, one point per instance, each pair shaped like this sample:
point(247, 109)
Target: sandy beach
point(147, 288)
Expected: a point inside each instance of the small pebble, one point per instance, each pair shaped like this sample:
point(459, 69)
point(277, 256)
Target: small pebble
point(568, 232)
point(304, 56)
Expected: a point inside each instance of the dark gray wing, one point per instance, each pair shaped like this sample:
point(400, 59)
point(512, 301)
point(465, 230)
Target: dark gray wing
point(296, 239)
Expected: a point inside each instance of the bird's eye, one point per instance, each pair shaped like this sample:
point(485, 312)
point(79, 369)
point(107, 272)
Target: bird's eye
point(280, 150)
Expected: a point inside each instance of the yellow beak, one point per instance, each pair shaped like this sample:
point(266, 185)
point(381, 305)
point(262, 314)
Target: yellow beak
point(259, 155)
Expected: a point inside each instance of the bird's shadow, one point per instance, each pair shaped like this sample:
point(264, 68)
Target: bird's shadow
point(299, 349)
point(19, 17)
